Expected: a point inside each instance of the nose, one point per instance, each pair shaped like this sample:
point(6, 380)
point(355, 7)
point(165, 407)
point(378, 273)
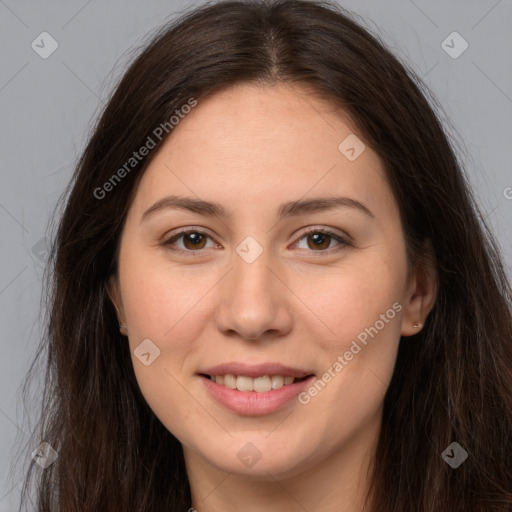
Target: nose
point(254, 301)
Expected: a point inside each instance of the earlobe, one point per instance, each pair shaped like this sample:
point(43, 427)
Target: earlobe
point(421, 297)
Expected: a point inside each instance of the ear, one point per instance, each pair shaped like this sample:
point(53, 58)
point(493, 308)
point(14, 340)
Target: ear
point(115, 296)
point(421, 293)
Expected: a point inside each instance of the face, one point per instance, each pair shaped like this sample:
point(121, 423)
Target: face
point(271, 283)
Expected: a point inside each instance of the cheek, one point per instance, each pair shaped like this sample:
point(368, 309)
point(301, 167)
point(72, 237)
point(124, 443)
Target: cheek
point(358, 351)
point(354, 298)
point(164, 305)
point(160, 300)
point(362, 309)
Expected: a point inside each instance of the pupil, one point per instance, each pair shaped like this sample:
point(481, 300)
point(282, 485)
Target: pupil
point(194, 236)
point(319, 239)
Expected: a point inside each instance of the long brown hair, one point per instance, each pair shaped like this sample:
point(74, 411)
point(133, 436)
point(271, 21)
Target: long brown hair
point(452, 381)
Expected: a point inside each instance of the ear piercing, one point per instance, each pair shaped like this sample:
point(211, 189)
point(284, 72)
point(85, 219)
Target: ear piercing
point(123, 330)
point(416, 325)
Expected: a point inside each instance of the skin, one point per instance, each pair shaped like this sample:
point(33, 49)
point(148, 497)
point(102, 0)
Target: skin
point(252, 149)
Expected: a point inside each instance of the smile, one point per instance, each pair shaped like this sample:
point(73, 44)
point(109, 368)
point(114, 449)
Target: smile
point(254, 390)
point(261, 384)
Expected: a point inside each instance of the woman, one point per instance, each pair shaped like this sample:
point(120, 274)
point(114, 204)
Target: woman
point(272, 288)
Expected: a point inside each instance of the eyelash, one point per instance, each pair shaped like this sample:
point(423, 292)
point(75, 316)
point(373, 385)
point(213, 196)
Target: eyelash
point(169, 241)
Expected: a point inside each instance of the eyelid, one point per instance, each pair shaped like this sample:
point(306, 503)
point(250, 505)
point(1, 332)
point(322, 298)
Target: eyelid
point(187, 229)
point(166, 240)
point(344, 239)
point(327, 230)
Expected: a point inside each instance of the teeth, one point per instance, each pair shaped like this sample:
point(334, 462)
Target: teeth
point(261, 384)
point(244, 383)
point(277, 381)
point(229, 381)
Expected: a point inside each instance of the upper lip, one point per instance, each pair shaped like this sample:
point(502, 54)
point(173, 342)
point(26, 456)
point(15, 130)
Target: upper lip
point(257, 370)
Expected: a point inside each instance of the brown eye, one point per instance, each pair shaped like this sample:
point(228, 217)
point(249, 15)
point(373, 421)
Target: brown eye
point(193, 241)
point(319, 241)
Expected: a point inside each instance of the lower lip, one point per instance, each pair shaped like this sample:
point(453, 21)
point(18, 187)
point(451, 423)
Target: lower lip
point(251, 403)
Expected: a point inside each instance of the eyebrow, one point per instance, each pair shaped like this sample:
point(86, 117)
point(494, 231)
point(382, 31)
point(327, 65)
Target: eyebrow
point(289, 209)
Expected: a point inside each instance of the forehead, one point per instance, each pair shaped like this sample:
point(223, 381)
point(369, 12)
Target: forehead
point(263, 145)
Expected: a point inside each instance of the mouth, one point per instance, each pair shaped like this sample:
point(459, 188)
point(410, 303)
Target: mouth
point(254, 390)
point(261, 384)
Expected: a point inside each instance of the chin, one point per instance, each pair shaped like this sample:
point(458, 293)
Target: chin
point(260, 458)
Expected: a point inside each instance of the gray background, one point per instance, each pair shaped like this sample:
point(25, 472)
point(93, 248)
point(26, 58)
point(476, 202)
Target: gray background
point(47, 107)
